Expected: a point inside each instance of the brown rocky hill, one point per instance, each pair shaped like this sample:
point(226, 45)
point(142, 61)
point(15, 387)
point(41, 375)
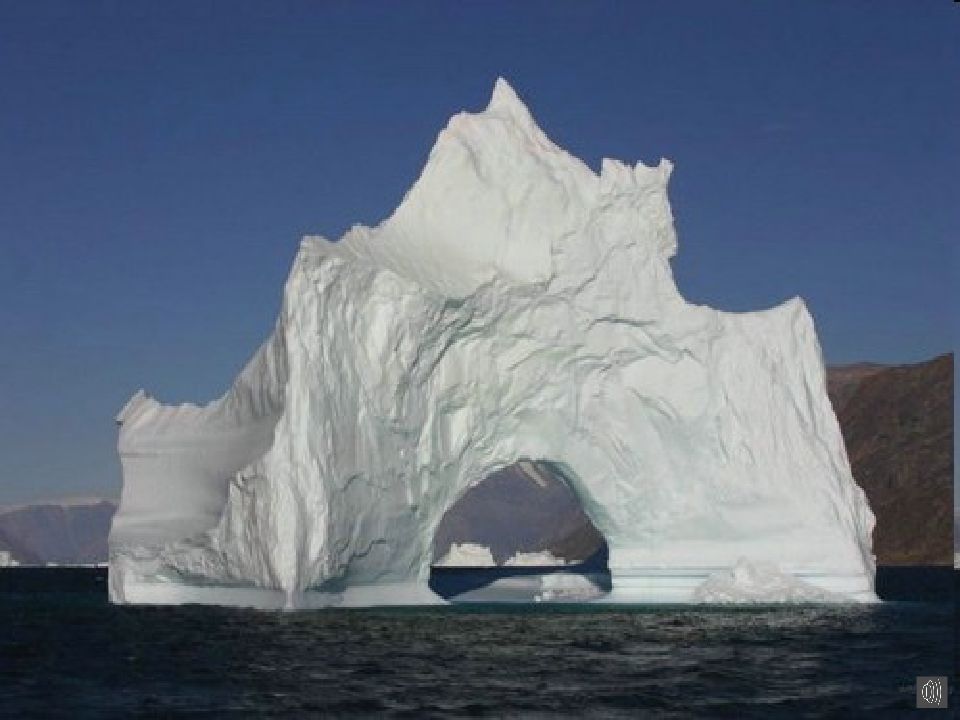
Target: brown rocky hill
point(897, 422)
point(843, 380)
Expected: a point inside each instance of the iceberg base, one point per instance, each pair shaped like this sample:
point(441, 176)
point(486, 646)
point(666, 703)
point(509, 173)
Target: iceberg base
point(145, 592)
point(651, 586)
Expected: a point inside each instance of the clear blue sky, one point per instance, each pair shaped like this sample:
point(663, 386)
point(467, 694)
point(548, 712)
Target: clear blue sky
point(160, 161)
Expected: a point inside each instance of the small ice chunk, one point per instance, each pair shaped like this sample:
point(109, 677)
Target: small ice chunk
point(569, 587)
point(759, 582)
point(467, 555)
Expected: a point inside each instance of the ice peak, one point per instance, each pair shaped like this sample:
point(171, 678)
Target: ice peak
point(505, 99)
point(498, 198)
point(506, 105)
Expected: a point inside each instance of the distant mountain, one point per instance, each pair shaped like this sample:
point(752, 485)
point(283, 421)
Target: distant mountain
point(897, 422)
point(523, 508)
point(72, 533)
point(843, 380)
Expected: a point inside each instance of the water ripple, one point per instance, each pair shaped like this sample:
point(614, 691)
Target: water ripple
point(80, 657)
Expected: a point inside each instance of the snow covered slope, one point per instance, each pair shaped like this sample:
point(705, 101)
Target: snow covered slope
point(515, 306)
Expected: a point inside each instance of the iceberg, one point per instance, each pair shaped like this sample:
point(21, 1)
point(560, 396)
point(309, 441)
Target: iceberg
point(516, 306)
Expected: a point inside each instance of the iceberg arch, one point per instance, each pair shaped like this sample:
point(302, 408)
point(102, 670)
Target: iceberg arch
point(523, 515)
point(515, 305)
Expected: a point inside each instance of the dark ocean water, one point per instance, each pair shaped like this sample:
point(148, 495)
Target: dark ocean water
point(65, 652)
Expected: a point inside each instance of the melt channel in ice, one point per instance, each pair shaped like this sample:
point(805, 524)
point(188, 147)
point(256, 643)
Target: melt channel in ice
point(515, 306)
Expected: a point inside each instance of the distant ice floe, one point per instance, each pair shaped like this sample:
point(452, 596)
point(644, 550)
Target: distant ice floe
point(567, 587)
point(467, 555)
point(470, 554)
point(557, 587)
point(541, 558)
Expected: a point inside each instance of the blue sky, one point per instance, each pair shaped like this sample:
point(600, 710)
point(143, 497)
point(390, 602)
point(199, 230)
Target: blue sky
point(159, 162)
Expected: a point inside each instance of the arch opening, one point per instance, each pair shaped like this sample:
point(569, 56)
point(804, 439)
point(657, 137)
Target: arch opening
point(519, 535)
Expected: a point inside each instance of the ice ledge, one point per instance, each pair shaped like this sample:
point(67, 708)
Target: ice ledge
point(650, 587)
point(687, 586)
point(383, 595)
point(134, 405)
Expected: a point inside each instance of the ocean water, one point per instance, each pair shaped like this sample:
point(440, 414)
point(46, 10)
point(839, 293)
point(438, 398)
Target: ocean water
point(66, 652)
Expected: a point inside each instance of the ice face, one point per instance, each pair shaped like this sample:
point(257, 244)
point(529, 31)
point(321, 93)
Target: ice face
point(516, 306)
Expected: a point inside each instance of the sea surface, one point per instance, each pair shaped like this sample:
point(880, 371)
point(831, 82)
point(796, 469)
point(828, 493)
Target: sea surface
point(66, 652)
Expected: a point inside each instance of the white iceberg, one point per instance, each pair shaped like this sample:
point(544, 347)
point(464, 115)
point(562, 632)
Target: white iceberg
point(516, 306)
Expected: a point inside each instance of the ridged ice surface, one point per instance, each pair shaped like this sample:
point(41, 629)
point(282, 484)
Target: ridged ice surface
point(516, 305)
